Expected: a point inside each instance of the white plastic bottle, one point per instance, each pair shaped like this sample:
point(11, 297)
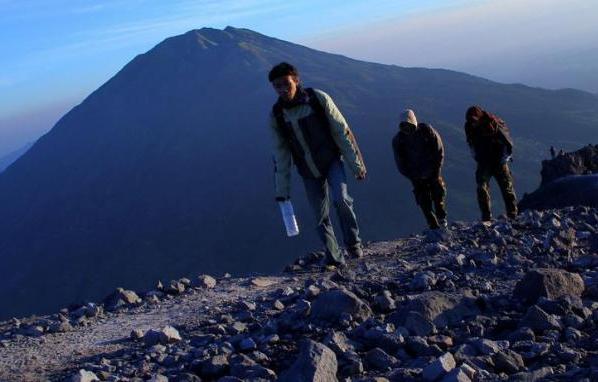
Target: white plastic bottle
point(288, 216)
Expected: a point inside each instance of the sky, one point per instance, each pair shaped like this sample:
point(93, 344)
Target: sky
point(56, 52)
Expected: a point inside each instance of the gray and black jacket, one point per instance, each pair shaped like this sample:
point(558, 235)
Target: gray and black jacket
point(310, 142)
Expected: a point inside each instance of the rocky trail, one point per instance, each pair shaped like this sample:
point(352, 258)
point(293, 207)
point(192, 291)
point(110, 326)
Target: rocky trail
point(509, 301)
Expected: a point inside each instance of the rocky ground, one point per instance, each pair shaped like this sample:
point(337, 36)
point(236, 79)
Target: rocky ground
point(509, 301)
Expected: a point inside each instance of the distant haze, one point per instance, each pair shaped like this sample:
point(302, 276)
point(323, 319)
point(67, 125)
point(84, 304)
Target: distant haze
point(544, 43)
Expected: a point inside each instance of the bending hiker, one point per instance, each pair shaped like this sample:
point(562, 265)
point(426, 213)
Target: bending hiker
point(492, 147)
point(419, 154)
point(309, 129)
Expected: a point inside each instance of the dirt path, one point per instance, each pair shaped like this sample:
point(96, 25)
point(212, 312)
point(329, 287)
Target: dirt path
point(39, 359)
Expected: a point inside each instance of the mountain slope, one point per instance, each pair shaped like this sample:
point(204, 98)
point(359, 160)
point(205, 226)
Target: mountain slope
point(166, 168)
point(10, 158)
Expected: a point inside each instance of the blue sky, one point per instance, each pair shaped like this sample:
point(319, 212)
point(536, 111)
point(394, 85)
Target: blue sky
point(55, 52)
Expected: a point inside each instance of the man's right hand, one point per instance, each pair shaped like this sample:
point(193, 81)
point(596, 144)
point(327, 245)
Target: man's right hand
point(361, 175)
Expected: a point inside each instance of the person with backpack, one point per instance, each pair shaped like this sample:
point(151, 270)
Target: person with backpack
point(310, 131)
point(492, 147)
point(419, 153)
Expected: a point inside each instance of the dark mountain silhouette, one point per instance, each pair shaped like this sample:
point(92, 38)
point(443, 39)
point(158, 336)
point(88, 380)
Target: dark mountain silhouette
point(166, 170)
point(9, 158)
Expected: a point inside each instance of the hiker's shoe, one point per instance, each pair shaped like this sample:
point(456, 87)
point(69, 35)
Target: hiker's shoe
point(355, 252)
point(443, 223)
point(330, 264)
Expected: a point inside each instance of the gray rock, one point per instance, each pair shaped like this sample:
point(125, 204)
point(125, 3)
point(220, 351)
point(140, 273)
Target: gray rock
point(311, 292)
point(315, 362)
point(338, 342)
point(532, 376)
point(418, 324)
point(214, 367)
point(507, 361)
point(464, 352)
point(440, 308)
point(441, 366)
point(423, 281)
point(166, 335)
point(549, 283)
point(175, 287)
point(417, 345)
point(378, 359)
point(384, 302)
point(334, 304)
point(278, 305)
point(352, 364)
point(456, 375)
point(121, 298)
point(84, 376)
point(206, 281)
point(485, 346)
point(539, 320)
point(136, 334)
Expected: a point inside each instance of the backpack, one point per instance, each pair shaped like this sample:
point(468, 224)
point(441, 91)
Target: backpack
point(314, 103)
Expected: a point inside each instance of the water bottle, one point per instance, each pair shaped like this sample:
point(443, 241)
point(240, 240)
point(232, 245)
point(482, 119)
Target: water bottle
point(288, 216)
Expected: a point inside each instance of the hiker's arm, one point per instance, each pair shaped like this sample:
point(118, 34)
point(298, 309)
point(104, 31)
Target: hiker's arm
point(282, 162)
point(342, 135)
point(439, 152)
point(400, 158)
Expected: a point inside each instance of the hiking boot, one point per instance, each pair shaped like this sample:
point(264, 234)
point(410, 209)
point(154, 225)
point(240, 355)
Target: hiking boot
point(329, 262)
point(355, 252)
point(443, 223)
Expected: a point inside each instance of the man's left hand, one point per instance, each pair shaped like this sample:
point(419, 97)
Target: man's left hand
point(360, 176)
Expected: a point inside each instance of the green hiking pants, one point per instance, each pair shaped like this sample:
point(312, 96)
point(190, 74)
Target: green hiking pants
point(430, 195)
point(503, 177)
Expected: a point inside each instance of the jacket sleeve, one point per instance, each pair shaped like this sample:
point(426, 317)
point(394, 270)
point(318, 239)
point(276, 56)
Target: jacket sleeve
point(341, 134)
point(505, 139)
point(469, 135)
point(282, 161)
point(438, 147)
point(400, 158)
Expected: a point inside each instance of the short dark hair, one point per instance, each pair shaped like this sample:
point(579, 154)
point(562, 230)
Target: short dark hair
point(281, 70)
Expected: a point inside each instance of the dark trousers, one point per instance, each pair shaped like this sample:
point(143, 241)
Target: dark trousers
point(502, 174)
point(430, 195)
point(318, 191)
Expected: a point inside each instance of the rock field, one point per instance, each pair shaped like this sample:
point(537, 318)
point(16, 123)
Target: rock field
point(507, 301)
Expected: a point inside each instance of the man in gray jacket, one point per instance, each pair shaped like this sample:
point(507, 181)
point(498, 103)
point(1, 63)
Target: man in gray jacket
point(311, 132)
point(419, 154)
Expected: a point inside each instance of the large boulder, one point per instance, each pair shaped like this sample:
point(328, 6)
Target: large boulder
point(332, 305)
point(439, 308)
point(581, 162)
point(549, 283)
point(315, 362)
point(121, 298)
point(164, 336)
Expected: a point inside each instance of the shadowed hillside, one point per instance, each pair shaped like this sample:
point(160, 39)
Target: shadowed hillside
point(166, 169)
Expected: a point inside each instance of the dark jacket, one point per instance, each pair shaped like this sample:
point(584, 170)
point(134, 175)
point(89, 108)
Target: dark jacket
point(490, 140)
point(418, 153)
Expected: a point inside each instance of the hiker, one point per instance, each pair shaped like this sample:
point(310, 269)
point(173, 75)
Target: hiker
point(419, 154)
point(490, 142)
point(310, 131)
